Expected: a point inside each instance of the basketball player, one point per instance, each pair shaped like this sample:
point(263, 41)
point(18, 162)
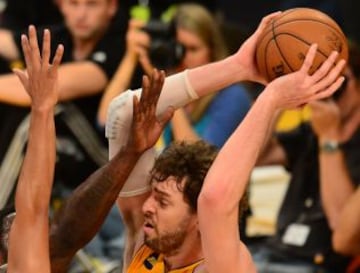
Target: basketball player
point(225, 182)
point(28, 241)
point(29, 234)
point(170, 234)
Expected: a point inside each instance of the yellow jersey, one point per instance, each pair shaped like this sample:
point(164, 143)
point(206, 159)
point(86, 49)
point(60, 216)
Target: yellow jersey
point(147, 261)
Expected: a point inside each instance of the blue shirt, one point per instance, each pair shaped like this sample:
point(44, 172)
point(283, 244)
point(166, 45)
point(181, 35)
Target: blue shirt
point(222, 116)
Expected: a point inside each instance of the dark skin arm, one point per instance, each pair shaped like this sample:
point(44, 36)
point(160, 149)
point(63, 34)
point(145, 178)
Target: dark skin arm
point(86, 209)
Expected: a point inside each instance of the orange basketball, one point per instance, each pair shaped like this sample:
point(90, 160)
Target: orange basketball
point(283, 46)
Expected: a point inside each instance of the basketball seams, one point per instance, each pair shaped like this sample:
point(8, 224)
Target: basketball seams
point(275, 58)
point(319, 51)
point(313, 20)
point(278, 48)
point(303, 19)
point(304, 41)
point(322, 17)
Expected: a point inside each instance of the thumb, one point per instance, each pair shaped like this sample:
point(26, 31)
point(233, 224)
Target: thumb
point(146, 64)
point(166, 116)
point(22, 77)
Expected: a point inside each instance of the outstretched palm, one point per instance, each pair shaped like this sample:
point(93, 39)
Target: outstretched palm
point(146, 126)
point(40, 80)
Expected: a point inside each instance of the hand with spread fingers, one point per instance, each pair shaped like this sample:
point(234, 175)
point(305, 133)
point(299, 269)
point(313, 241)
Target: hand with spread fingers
point(298, 88)
point(146, 126)
point(29, 233)
point(40, 78)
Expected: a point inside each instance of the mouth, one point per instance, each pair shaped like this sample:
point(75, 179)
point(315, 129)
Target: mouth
point(148, 226)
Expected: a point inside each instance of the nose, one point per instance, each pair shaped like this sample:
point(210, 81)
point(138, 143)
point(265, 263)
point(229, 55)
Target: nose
point(81, 11)
point(149, 205)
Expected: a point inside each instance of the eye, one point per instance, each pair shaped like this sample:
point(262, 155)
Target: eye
point(163, 203)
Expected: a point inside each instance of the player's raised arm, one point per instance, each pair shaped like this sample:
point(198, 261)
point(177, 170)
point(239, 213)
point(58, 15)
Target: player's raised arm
point(228, 176)
point(29, 236)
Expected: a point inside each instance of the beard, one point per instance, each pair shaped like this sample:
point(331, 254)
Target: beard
point(167, 242)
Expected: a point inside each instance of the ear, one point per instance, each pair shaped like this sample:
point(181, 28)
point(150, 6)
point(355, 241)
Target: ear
point(113, 7)
point(61, 5)
point(57, 2)
point(196, 221)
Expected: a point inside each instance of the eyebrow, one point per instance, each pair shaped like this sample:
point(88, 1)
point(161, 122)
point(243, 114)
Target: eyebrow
point(161, 192)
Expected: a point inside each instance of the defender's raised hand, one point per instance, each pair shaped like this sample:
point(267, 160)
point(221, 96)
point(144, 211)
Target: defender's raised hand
point(146, 126)
point(40, 77)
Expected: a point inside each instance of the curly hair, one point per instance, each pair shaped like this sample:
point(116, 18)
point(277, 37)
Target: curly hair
point(192, 161)
point(4, 213)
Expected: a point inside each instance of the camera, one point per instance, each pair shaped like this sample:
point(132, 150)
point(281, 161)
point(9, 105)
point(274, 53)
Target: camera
point(165, 51)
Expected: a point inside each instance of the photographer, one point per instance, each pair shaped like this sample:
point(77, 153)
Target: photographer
point(142, 40)
point(212, 118)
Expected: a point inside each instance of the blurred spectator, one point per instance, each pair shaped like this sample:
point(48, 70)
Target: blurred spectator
point(303, 239)
point(212, 118)
point(93, 36)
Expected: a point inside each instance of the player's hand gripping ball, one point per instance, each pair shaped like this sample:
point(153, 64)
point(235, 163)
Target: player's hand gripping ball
point(283, 46)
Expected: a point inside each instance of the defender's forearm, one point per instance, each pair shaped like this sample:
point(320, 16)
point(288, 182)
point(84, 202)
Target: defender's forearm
point(85, 210)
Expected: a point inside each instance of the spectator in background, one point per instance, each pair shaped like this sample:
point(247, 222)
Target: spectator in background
point(90, 56)
point(309, 211)
point(337, 126)
point(18, 14)
point(212, 118)
point(93, 37)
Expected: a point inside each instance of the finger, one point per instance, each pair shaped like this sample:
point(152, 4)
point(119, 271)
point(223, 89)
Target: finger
point(166, 116)
point(146, 64)
point(158, 86)
point(330, 89)
point(136, 108)
point(140, 51)
point(22, 77)
point(330, 77)
point(145, 88)
point(140, 38)
point(149, 98)
point(46, 47)
point(26, 50)
point(266, 21)
point(135, 23)
point(309, 59)
point(34, 45)
point(58, 56)
point(323, 70)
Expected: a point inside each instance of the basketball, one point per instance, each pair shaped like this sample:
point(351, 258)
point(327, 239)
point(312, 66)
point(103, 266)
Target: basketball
point(284, 44)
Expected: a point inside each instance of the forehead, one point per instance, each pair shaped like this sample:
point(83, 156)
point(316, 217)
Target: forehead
point(169, 187)
point(188, 37)
point(84, 1)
